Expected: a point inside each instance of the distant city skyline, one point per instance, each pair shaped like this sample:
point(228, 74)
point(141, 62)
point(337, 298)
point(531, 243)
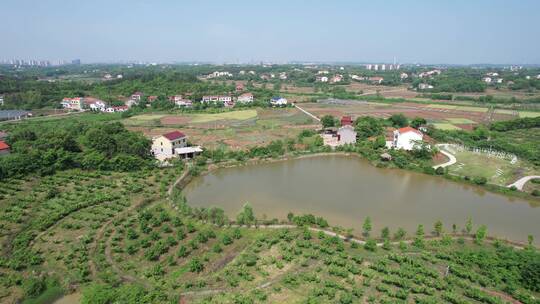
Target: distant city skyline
point(422, 31)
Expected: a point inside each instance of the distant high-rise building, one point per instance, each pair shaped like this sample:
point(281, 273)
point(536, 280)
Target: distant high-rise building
point(76, 61)
point(376, 67)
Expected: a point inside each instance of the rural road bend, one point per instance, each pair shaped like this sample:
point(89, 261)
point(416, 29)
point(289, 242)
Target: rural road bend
point(522, 181)
point(452, 159)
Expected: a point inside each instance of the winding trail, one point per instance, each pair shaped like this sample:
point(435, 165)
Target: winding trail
point(451, 158)
point(520, 183)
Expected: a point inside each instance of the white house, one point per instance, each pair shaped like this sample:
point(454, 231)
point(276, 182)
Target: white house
point(321, 79)
point(424, 86)
point(225, 99)
point(282, 75)
point(346, 135)
point(403, 76)
point(404, 138)
point(173, 144)
point(164, 145)
point(219, 74)
point(487, 79)
point(131, 102)
point(180, 101)
point(1, 100)
point(245, 98)
point(73, 103)
point(278, 101)
point(137, 96)
point(429, 73)
point(336, 78)
point(376, 79)
point(95, 104)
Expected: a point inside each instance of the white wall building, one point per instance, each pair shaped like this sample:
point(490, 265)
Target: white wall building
point(346, 135)
point(405, 138)
point(278, 101)
point(245, 98)
point(72, 103)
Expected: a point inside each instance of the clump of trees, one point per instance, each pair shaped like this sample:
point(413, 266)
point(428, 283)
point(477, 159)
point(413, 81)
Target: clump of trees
point(45, 148)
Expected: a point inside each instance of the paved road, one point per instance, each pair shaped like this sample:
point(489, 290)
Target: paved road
point(522, 181)
point(452, 159)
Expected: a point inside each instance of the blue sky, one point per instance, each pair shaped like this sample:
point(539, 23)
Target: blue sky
point(427, 31)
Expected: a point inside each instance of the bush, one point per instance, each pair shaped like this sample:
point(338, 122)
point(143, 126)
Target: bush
point(480, 180)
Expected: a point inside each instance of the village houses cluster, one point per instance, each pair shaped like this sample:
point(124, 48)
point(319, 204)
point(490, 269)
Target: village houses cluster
point(400, 139)
point(228, 101)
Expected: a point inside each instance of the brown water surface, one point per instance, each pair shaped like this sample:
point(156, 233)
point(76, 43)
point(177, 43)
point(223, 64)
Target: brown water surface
point(346, 189)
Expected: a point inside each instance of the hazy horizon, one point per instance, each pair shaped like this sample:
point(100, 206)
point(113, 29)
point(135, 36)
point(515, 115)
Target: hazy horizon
point(429, 32)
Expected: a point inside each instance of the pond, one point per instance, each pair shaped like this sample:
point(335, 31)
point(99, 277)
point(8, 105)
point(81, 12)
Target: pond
point(346, 189)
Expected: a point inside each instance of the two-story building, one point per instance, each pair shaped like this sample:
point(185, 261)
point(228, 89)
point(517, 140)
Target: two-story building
point(75, 104)
point(278, 101)
point(404, 138)
point(173, 144)
point(245, 98)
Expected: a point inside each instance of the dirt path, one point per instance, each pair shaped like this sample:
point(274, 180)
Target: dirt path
point(307, 113)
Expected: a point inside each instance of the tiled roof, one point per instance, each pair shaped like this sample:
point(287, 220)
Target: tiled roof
point(174, 135)
point(3, 145)
point(409, 129)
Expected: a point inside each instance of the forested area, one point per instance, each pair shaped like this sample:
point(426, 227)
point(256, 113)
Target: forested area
point(48, 146)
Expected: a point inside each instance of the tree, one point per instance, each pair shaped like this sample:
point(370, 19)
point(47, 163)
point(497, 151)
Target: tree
point(419, 239)
point(367, 226)
point(246, 215)
point(480, 235)
point(400, 234)
point(385, 233)
point(370, 245)
point(328, 121)
point(195, 265)
point(398, 120)
point(417, 122)
point(438, 226)
point(469, 226)
point(530, 275)
point(368, 126)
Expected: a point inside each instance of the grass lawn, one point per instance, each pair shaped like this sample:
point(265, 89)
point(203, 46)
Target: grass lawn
point(234, 115)
point(523, 114)
point(460, 121)
point(495, 170)
point(445, 126)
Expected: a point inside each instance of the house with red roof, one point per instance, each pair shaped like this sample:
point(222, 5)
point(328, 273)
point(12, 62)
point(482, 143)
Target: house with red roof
point(404, 138)
point(173, 144)
point(4, 148)
point(245, 98)
point(152, 98)
point(239, 87)
point(346, 121)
